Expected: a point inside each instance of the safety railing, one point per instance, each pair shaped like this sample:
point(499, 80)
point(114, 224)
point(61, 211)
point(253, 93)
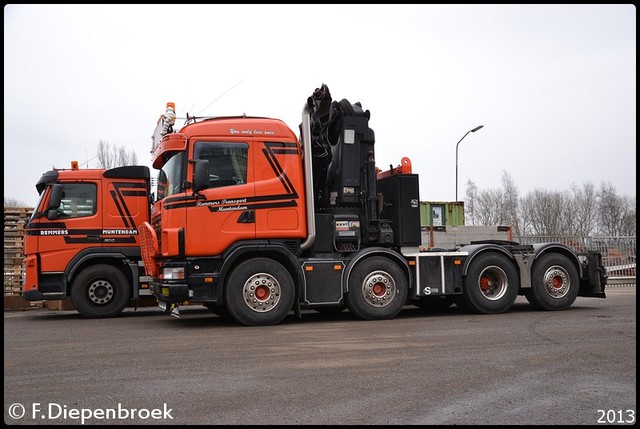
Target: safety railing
point(618, 252)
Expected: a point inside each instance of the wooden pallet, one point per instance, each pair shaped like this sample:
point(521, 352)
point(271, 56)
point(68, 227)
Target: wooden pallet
point(14, 222)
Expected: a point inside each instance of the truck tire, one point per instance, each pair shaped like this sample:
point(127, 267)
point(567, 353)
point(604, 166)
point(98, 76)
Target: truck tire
point(259, 291)
point(491, 284)
point(100, 291)
point(377, 289)
point(555, 283)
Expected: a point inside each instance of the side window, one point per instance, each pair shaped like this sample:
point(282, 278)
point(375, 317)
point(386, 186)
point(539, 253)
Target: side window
point(170, 177)
point(78, 200)
point(227, 162)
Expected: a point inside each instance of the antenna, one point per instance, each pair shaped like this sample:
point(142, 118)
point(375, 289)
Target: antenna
point(221, 95)
point(87, 161)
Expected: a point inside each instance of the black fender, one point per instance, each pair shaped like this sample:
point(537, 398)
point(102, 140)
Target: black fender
point(523, 263)
point(266, 248)
point(377, 251)
point(127, 256)
point(473, 250)
point(542, 248)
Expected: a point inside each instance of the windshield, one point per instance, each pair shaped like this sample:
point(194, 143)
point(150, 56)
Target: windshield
point(171, 176)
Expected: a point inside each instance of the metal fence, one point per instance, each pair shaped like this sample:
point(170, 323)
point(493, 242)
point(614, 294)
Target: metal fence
point(618, 253)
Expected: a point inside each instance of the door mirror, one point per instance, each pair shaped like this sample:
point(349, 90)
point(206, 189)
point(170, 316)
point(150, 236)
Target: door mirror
point(55, 199)
point(200, 174)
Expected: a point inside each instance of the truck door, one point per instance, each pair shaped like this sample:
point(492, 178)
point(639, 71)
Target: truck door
point(126, 205)
point(226, 214)
point(76, 226)
point(280, 189)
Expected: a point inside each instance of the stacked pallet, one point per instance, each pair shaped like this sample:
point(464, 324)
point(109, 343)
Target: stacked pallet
point(14, 222)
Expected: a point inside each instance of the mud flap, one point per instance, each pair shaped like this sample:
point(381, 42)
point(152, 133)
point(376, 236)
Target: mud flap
point(174, 312)
point(169, 308)
point(594, 279)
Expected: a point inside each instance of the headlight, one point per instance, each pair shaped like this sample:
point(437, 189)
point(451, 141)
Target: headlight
point(173, 273)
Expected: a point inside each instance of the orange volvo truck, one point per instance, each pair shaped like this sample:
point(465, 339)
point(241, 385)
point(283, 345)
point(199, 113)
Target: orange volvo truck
point(255, 223)
point(82, 239)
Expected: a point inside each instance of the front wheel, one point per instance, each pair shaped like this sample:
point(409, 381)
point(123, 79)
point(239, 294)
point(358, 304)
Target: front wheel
point(491, 284)
point(259, 291)
point(100, 291)
point(555, 283)
point(377, 289)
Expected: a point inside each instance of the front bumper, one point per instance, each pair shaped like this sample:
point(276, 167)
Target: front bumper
point(175, 293)
point(36, 295)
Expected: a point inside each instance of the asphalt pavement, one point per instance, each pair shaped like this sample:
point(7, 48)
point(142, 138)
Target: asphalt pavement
point(523, 367)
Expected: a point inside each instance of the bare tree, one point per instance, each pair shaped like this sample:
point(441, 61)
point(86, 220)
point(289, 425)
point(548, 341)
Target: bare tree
point(112, 156)
point(488, 206)
point(548, 212)
point(579, 212)
point(614, 211)
point(525, 219)
point(629, 218)
point(583, 213)
point(471, 192)
point(13, 202)
point(509, 209)
point(493, 206)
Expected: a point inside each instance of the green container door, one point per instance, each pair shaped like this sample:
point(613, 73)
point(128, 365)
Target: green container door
point(441, 213)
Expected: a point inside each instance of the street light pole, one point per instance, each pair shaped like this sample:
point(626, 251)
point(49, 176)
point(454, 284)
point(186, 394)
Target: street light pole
point(470, 131)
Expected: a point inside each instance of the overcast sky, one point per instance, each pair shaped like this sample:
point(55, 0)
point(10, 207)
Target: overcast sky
point(553, 85)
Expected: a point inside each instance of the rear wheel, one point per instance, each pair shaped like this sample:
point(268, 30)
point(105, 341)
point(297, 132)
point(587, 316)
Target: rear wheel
point(259, 291)
point(377, 289)
point(555, 283)
point(491, 284)
point(100, 291)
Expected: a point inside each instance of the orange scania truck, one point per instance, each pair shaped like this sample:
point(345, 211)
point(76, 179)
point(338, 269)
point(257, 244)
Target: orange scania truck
point(82, 239)
point(256, 223)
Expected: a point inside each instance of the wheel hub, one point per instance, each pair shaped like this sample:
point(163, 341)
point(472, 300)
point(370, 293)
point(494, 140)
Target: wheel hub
point(379, 288)
point(493, 283)
point(261, 292)
point(101, 292)
point(556, 282)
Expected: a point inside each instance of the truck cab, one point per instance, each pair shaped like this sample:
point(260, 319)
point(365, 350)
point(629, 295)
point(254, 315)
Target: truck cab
point(251, 185)
point(82, 240)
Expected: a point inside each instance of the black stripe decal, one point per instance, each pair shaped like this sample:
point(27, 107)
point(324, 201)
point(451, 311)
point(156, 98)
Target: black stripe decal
point(229, 201)
point(72, 240)
point(47, 225)
point(94, 232)
point(276, 169)
point(122, 189)
point(117, 202)
point(252, 202)
point(290, 203)
point(134, 193)
point(289, 187)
